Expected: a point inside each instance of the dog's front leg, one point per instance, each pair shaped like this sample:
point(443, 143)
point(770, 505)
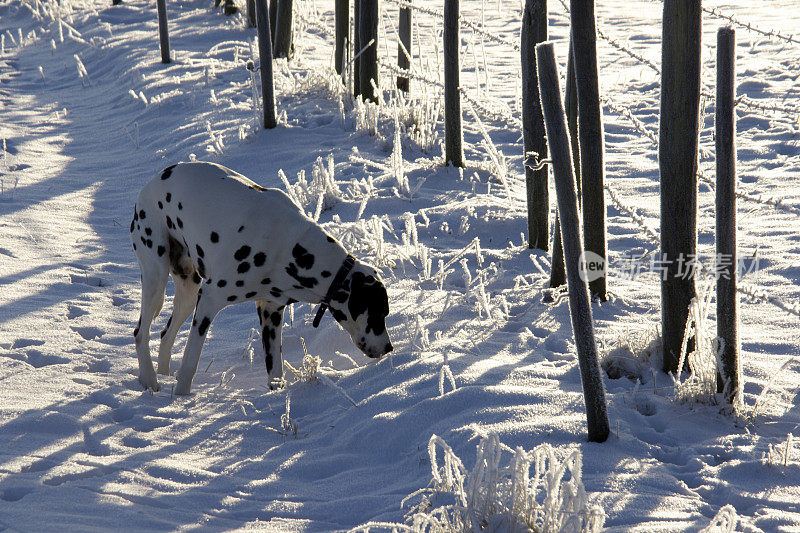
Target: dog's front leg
point(207, 308)
point(270, 315)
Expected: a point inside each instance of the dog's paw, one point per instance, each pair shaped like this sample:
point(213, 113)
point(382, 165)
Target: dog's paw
point(149, 383)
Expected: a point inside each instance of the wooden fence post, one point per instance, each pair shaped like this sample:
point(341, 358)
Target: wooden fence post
point(356, 48)
point(283, 45)
point(404, 46)
point(534, 31)
point(453, 135)
point(342, 23)
point(677, 159)
point(566, 193)
point(163, 30)
point(729, 379)
point(557, 273)
point(265, 53)
point(590, 132)
point(251, 14)
point(368, 31)
point(273, 17)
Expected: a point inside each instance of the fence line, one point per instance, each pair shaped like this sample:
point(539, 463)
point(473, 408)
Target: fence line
point(746, 25)
point(614, 195)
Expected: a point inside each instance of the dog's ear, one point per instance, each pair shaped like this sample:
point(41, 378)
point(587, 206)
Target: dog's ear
point(359, 299)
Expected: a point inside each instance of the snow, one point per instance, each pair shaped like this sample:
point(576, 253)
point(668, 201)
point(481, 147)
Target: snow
point(482, 346)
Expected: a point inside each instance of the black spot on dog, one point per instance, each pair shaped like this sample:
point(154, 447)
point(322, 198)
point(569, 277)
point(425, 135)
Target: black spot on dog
point(136, 332)
point(240, 229)
point(259, 259)
point(291, 301)
point(143, 241)
point(169, 197)
point(180, 206)
point(242, 253)
point(276, 292)
point(243, 267)
point(266, 281)
point(163, 332)
point(160, 205)
point(250, 294)
point(161, 250)
point(132, 225)
point(197, 278)
point(339, 316)
point(326, 274)
point(142, 214)
point(148, 231)
point(134, 247)
point(214, 236)
point(276, 318)
point(232, 298)
point(240, 283)
point(199, 250)
point(272, 334)
point(266, 343)
point(203, 326)
point(135, 214)
point(180, 222)
point(305, 281)
point(167, 172)
point(303, 257)
point(170, 225)
point(221, 283)
point(149, 243)
point(201, 267)
point(330, 239)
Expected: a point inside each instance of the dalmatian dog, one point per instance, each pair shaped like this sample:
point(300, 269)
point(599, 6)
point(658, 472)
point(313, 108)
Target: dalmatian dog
point(225, 240)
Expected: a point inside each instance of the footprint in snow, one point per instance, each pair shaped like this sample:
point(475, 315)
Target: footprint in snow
point(14, 494)
point(74, 311)
point(24, 343)
point(88, 332)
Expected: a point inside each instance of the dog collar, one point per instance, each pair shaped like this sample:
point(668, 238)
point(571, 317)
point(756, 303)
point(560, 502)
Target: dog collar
point(344, 270)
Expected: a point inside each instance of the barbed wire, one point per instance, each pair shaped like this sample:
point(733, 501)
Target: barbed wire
point(474, 26)
point(748, 26)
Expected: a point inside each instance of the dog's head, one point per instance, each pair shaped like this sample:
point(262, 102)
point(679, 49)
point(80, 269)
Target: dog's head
point(360, 306)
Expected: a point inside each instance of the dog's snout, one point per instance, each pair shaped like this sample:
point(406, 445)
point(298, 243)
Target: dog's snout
point(388, 348)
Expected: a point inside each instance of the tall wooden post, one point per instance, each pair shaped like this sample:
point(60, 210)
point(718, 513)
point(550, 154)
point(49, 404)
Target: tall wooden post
point(557, 272)
point(251, 13)
point(534, 31)
point(368, 31)
point(265, 53)
point(566, 193)
point(404, 46)
point(590, 133)
point(729, 380)
point(342, 23)
point(163, 30)
point(453, 135)
point(273, 17)
point(283, 46)
point(677, 159)
point(356, 48)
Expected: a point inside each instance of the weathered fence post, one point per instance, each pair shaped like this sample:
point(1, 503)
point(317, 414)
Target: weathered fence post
point(356, 48)
point(251, 13)
point(677, 159)
point(283, 45)
point(368, 32)
point(453, 136)
point(590, 132)
point(265, 53)
point(273, 17)
point(342, 23)
point(566, 193)
point(729, 378)
point(404, 46)
point(557, 273)
point(163, 31)
point(534, 31)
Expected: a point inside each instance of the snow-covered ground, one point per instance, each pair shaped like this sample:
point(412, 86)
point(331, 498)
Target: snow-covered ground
point(88, 115)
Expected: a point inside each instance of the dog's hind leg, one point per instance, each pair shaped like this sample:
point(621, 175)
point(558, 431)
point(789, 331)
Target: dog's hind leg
point(187, 284)
point(270, 316)
point(154, 281)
